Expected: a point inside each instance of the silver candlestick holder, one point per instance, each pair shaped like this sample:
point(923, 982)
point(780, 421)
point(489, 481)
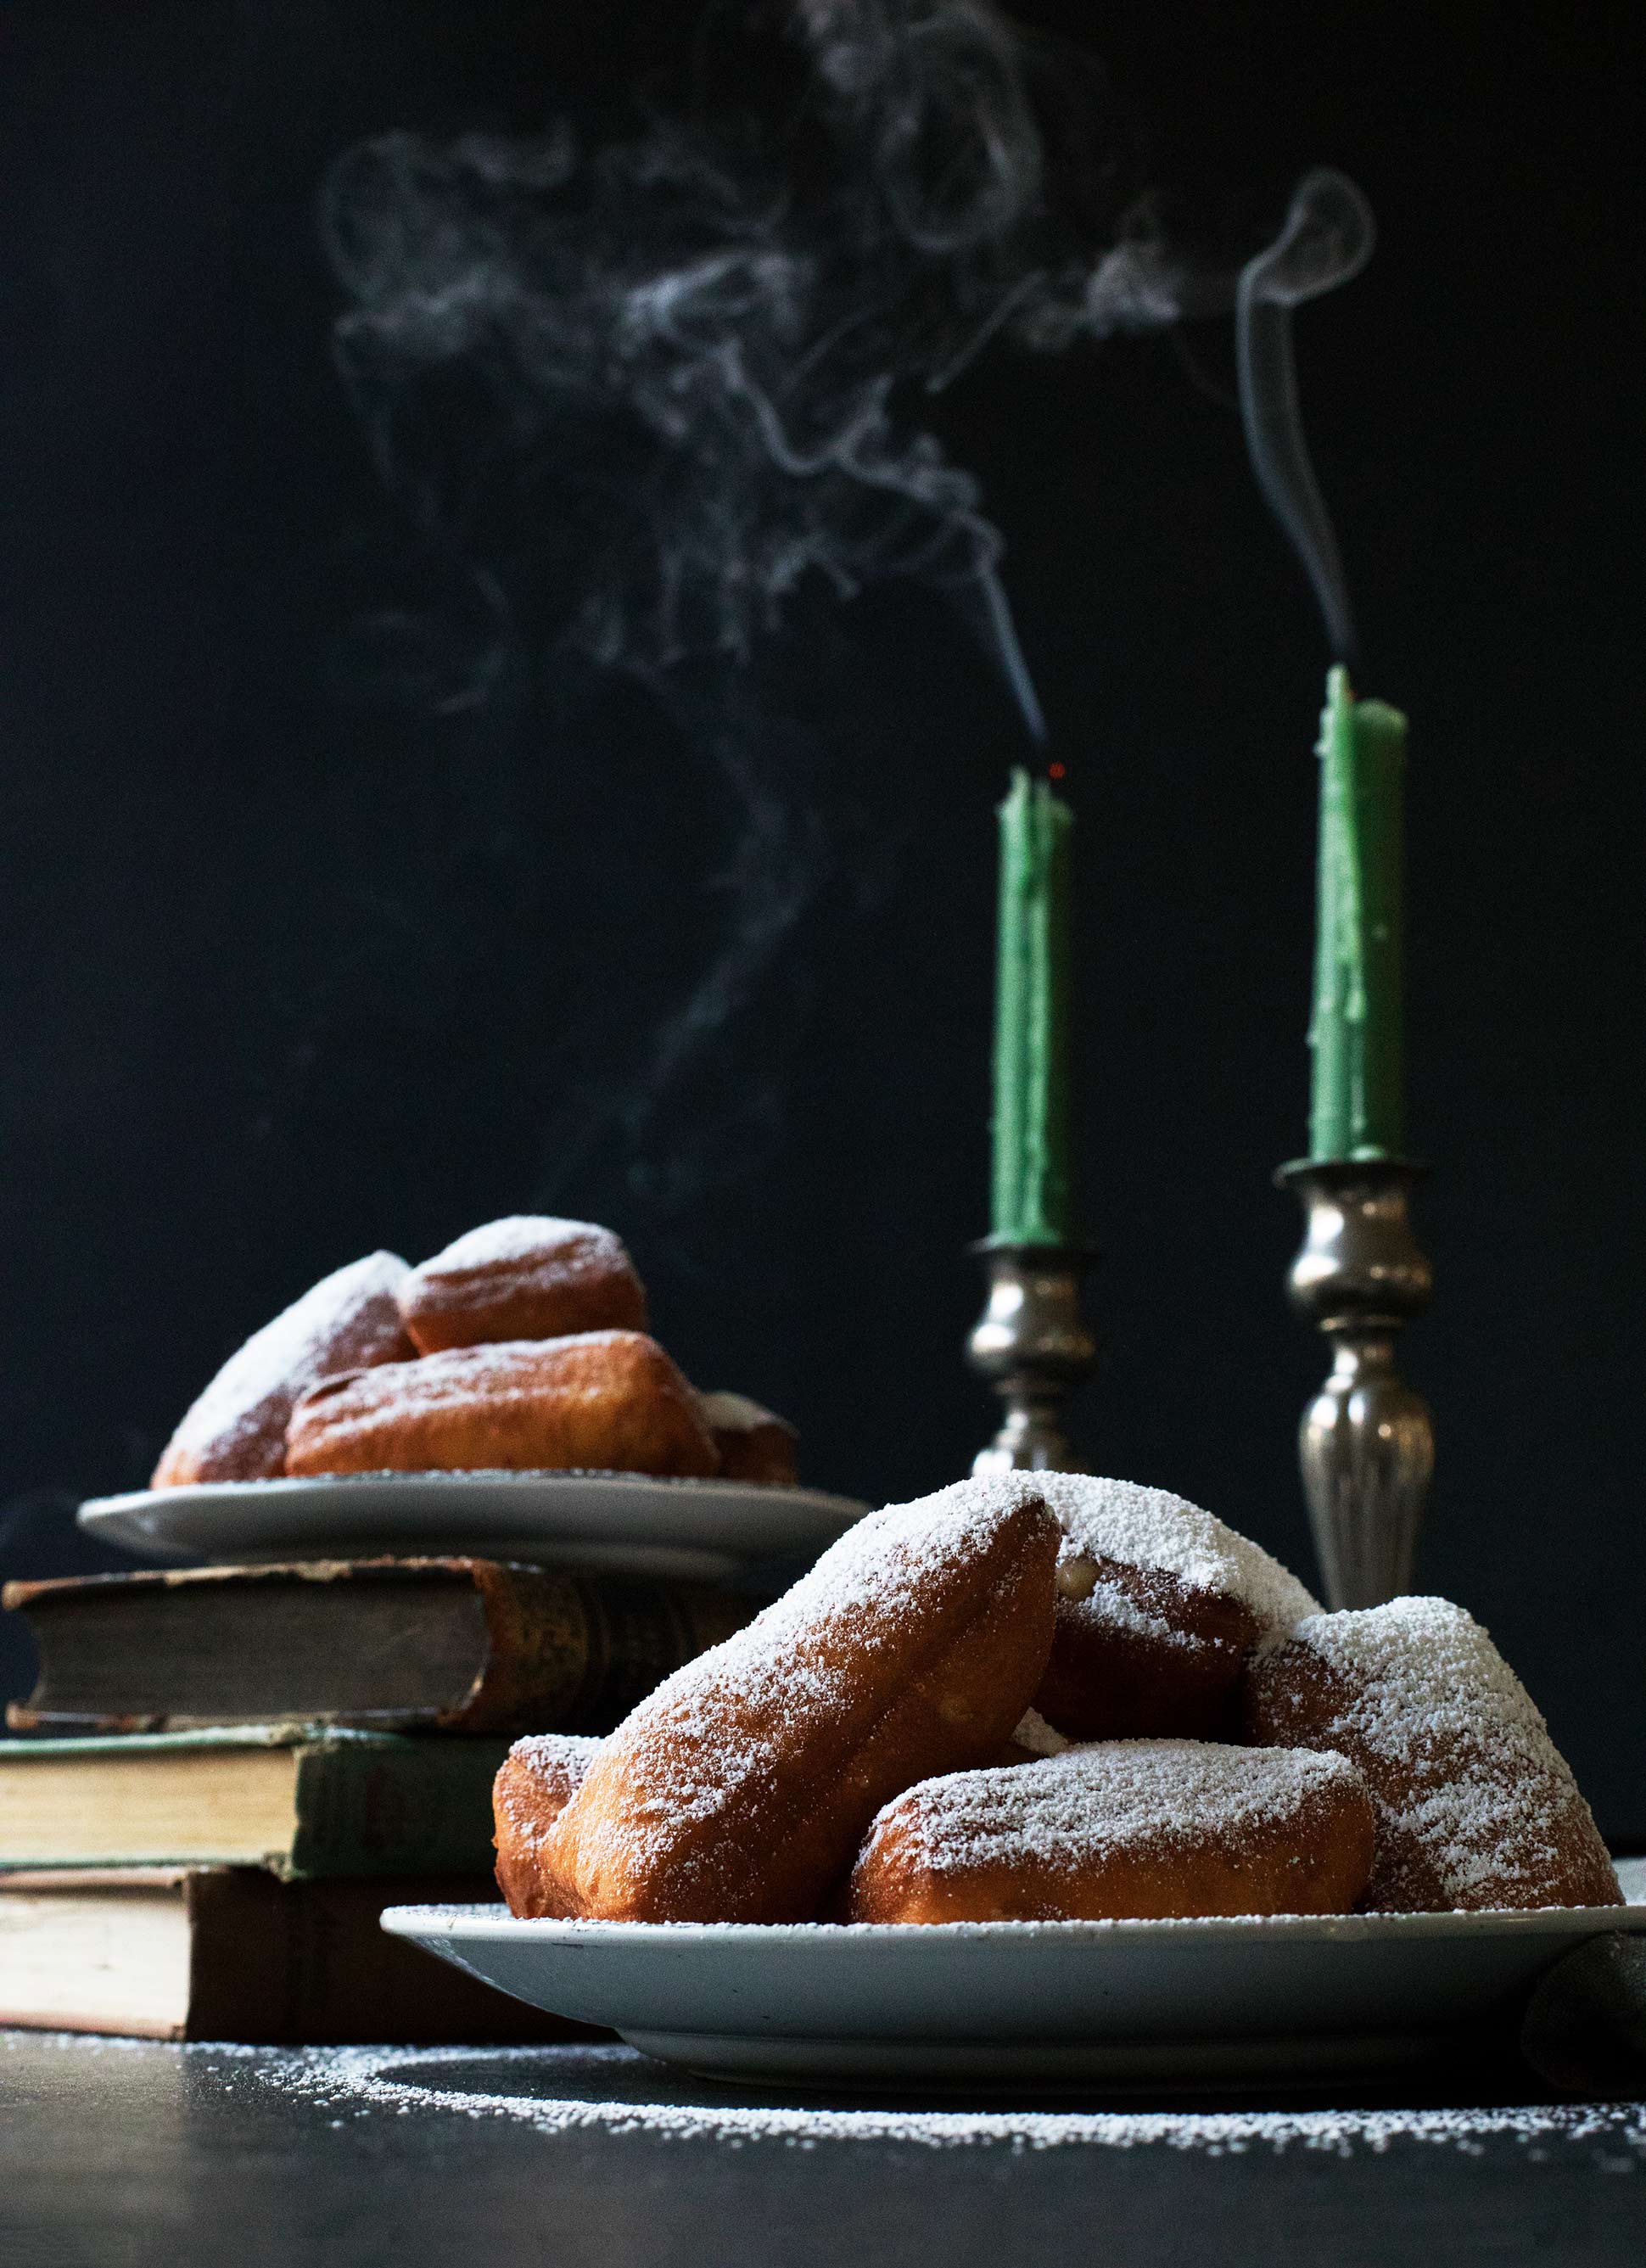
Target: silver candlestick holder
point(1367, 1442)
point(1034, 1347)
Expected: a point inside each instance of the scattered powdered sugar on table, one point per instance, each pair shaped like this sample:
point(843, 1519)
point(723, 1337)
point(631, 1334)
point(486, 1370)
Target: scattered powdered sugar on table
point(1110, 1797)
point(1149, 1527)
point(560, 2090)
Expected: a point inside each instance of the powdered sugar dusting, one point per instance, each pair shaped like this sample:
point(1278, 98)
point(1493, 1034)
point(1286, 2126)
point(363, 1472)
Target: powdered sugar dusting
point(347, 1318)
point(1093, 1802)
point(1149, 1527)
point(560, 1763)
point(499, 1370)
point(1034, 1733)
point(797, 1665)
point(561, 2090)
point(1473, 1776)
point(1111, 1604)
point(557, 1752)
point(528, 1238)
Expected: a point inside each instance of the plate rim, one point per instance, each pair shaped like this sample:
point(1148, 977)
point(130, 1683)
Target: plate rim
point(284, 1486)
point(495, 1925)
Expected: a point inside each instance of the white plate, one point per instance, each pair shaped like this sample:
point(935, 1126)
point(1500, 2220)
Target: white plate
point(615, 1523)
point(1056, 2003)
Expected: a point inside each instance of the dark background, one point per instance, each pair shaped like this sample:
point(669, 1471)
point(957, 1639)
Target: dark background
point(291, 972)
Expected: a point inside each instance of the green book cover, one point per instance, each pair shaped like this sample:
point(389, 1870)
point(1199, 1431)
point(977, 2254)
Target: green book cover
point(304, 1801)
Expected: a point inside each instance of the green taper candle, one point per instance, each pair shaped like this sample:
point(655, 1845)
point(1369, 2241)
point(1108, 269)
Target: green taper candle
point(1031, 1197)
point(1357, 1106)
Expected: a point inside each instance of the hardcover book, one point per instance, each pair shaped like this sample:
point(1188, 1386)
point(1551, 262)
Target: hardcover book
point(191, 1953)
point(447, 1644)
point(300, 1799)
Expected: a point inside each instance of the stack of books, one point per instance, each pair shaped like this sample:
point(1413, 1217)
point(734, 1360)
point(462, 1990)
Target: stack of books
point(226, 1773)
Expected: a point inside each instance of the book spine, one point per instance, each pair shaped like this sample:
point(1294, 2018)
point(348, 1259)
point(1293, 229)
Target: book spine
point(370, 1807)
point(574, 1656)
point(243, 1956)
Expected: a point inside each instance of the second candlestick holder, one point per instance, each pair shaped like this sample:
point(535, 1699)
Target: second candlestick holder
point(1034, 1347)
point(1367, 1442)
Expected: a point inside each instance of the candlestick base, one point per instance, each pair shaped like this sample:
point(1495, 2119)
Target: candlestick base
point(1366, 1445)
point(1034, 1348)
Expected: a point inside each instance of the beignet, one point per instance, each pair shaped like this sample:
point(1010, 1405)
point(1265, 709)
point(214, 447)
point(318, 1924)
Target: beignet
point(754, 1444)
point(1476, 1806)
point(742, 1788)
point(1151, 1830)
point(535, 1782)
point(236, 1430)
point(608, 1400)
point(1159, 1606)
point(526, 1278)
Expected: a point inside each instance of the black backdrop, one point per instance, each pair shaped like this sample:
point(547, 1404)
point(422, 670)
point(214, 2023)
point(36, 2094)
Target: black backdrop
point(291, 972)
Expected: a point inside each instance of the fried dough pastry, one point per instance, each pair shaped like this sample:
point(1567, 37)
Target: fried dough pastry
point(754, 1444)
point(522, 1278)
point(1159, 1606)
point(236, 1430)
point(742, 1788)
point(1476, 1806)
point(535, 1782)
point(611, 1401)
point(1151, 1830)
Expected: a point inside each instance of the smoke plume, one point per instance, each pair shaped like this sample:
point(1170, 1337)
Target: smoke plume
point(665, 383)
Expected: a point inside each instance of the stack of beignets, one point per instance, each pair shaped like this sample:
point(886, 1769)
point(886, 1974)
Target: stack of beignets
point(864, 1750)
point(521, 1347)
point(741, 1790)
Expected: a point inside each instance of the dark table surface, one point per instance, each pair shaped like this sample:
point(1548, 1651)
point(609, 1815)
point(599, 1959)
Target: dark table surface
point(121, 2152)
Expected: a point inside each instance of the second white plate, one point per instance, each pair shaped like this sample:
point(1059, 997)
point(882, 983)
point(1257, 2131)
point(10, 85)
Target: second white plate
point(1047, 2003)
point(612, 1523)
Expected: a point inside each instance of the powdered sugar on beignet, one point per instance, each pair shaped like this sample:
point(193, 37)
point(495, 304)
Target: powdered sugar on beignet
point(1140, 1829)
point(236, 1430)
point(605, 1400)
point(741, 1789)
point(1159, 1606)
point(754, 1444)
point(535, 1782)
point(1150, 1528)
point(1476, 1805)
point(528, 1277)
